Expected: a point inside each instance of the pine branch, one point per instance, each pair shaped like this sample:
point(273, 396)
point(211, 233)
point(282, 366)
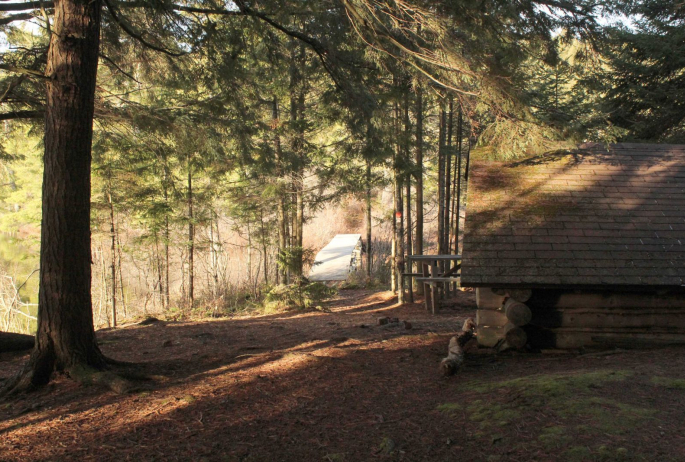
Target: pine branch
point(315, 45)
point(21, 70)
point(116, 66)
point(17, 17)
point(129, 30)
point(27, 114)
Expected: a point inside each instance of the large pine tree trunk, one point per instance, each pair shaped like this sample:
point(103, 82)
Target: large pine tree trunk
point(65, 339)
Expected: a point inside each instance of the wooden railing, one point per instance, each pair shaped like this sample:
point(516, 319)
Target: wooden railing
point(436, 280)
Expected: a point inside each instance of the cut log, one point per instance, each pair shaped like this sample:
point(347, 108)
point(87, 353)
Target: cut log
point(15, 342)
point(518, 313)
point(486, 299)
point(489, 336)
point(515, 338)
point(612, 318)
point(491, 318)
point(520, 295)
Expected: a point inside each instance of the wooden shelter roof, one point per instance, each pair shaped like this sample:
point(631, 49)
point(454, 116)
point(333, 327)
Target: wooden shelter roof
point(585, 217)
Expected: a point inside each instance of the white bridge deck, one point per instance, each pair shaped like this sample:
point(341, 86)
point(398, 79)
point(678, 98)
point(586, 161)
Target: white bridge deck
point(340, 257)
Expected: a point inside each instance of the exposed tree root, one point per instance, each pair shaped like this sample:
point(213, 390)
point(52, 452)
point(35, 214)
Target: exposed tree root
point(124, 378)
point(87, 375)
point(20, 383)
point(118, 363)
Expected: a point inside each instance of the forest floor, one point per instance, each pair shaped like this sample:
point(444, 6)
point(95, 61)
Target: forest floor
point(338, 387)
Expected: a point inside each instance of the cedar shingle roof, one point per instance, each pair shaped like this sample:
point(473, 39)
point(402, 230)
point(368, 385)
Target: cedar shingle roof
point(588, 217)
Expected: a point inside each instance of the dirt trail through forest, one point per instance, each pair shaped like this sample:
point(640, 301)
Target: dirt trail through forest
point(338, 387)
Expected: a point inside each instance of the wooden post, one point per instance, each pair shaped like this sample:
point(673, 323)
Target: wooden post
point(435, 294)
point(425, 287)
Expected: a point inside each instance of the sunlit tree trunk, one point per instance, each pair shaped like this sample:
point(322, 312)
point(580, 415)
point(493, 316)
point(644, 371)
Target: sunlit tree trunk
point(113, 249)
point(65, 339)
point(282, 216)
point(369, 253)
point(191, 238)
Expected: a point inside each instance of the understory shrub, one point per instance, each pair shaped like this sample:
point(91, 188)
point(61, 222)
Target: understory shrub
point(301, 294)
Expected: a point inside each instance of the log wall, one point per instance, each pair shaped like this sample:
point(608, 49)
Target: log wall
point(573, 319)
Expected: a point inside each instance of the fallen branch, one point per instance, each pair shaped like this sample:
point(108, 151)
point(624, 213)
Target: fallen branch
point(457, 348)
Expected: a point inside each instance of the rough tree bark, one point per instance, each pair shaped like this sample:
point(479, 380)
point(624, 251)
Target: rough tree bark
point(65, 339)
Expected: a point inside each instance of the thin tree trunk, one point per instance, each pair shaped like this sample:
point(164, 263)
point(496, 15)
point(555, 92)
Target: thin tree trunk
point(399, 269)
point(191, 238)
point(121, 277)
point(458, 195)
point(281, 272)
point(265, 258)
point(406, 141)
point(65, 339)
point(448, 180)
point(158, 261)
point(369, 254)
point(418, 241)
point(399, 238)
point(441, 178)
point(167, 236)
point(299, 220)
point(214, 256)
point(393, 245)
point(114, 255)
point(249, 255)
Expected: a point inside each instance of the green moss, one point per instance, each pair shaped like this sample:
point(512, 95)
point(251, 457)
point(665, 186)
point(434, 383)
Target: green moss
point(567, 398)
point(450, 407)
point(609, 416)
point(577, 453)
point(554, 437)
point(553, 385)
point(667, 382)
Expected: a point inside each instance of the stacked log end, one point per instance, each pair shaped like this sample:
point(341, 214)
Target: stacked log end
point(500, 317)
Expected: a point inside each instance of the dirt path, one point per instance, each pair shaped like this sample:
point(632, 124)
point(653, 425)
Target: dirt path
point(337, 387)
